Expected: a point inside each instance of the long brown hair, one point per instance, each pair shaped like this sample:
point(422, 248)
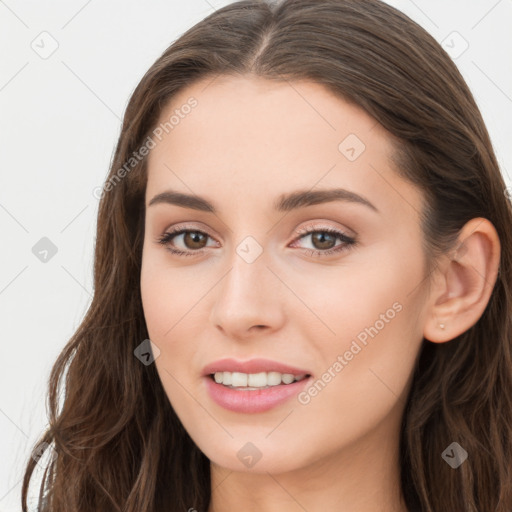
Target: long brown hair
point(117, 442)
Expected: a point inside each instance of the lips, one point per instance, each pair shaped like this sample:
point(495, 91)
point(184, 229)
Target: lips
point(247, 399)
point(252, 366)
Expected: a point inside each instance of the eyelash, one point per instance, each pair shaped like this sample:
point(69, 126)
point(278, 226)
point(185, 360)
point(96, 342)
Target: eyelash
point(348, 242)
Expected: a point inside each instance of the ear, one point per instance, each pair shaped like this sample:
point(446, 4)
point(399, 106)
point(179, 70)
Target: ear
point(463, 282)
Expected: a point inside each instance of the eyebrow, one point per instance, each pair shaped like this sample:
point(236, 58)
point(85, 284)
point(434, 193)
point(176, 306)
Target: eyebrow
point(284, 203)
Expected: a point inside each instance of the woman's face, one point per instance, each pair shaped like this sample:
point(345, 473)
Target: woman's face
point(278, 266)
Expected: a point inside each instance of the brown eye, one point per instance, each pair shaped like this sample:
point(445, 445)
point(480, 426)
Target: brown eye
point(323, 240)
point(194, 239)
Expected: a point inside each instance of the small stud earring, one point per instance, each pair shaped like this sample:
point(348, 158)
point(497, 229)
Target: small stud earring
point(442, 326)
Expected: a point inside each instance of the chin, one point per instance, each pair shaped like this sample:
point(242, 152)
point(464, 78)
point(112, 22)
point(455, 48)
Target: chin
point(260, 455)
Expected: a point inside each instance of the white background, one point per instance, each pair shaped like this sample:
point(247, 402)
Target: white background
point(60, 120)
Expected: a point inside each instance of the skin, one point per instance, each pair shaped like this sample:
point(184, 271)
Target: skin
point(247, 142)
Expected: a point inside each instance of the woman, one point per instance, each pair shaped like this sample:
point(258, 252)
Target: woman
point(224, 364)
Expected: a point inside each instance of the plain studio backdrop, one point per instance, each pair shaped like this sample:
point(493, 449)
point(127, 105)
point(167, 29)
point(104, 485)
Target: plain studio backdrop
point(67, 71)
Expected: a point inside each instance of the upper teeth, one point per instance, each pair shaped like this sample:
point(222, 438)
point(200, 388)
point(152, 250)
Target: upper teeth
point(255, 380)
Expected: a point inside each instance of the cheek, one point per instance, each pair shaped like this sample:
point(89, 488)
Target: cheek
point(371, 348)
point(171, 312)
point(341, 302)
point(154, 300)
point(162, 313)
point(164, 293)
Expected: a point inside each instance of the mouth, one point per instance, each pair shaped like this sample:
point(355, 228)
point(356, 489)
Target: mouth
point(253, 386)
point(255, 381)
point(257, 392)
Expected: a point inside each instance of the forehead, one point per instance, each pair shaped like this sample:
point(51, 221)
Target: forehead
point(255, 136)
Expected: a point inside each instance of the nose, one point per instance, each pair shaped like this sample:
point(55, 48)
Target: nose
point(248, 300)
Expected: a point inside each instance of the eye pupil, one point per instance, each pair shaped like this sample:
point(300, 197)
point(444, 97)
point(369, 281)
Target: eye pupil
point(194, 237)
point(320, 237)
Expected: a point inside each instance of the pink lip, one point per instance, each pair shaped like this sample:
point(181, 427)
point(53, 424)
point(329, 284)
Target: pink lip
point(255, 400)
point(252, 401)
point(251, 366)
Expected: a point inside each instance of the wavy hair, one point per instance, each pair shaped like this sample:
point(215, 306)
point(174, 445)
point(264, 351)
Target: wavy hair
point(117, 442)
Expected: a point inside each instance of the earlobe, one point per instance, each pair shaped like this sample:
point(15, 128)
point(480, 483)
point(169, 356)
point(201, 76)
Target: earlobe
point(464, 282)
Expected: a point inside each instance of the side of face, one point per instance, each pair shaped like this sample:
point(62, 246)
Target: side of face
point(250, 287)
